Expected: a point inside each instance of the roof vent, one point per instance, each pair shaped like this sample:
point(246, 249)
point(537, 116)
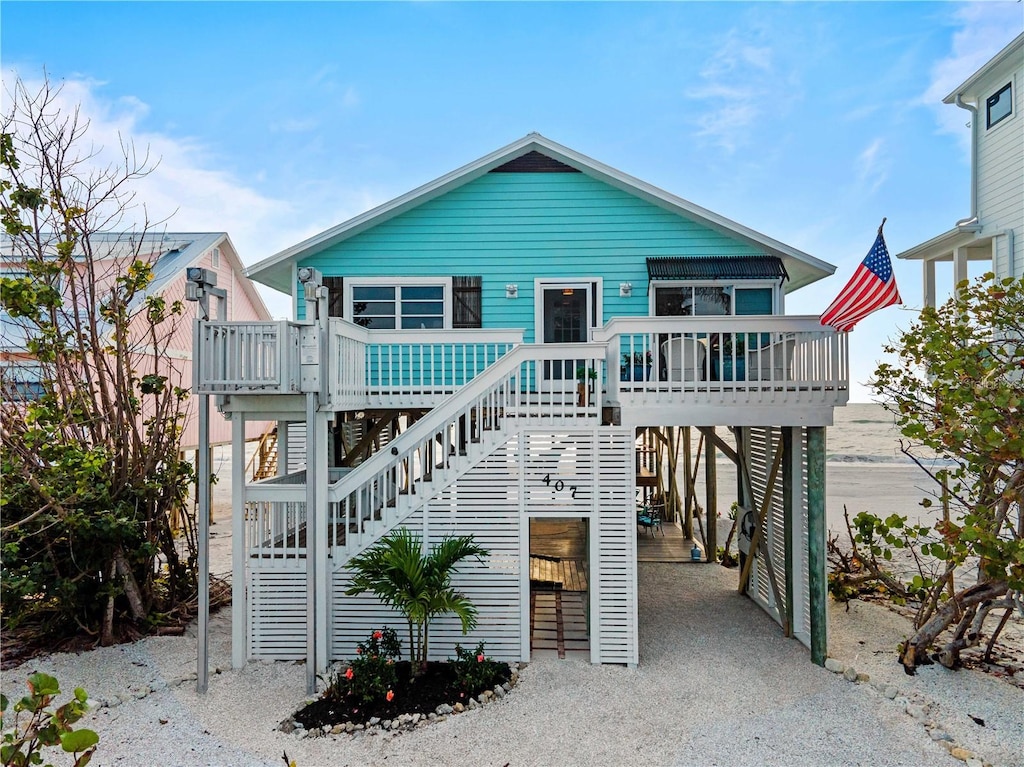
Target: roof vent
point(534, 162)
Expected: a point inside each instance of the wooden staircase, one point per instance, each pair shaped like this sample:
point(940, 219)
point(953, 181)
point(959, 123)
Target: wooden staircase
point(263, 463)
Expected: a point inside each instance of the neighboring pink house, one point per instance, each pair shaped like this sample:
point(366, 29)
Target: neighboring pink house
point(171, 253)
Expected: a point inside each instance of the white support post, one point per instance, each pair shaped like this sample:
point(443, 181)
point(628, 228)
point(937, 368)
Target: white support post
point(959, 266)
point(928, 282)
point(203, 514)
point(312, 464)
point(524, 555)
point(320, 514)
point(282, 447)
point(239, 604)
point(200, 286)
point(594, 540)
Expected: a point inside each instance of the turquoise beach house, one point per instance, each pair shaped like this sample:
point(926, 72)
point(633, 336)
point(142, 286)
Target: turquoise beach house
point(479, 356)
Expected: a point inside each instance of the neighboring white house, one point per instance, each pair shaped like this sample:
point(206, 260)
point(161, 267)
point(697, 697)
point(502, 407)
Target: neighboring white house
point(993, 231)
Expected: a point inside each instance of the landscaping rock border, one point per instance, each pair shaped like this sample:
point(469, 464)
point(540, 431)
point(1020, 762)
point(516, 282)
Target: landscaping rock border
point(914, 705)
point(406, 722)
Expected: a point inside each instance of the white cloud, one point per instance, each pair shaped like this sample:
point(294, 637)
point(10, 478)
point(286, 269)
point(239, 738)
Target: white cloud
point(985, 29)
point(873, 165)
point(186, 187)
point(351, 98)
point(741, 83)
point(295, 125)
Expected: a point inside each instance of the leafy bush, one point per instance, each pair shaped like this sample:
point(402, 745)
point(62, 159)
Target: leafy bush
point(371, 675)
point(90, 456)
point(417, 584)
point(24, 741)
point(475, 671)
point(957, 393)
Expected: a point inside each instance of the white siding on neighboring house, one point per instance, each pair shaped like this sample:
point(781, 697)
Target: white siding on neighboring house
point(1000, 178)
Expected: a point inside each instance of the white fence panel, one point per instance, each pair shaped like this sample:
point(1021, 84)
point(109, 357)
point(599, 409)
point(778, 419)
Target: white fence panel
point(616, 621)
point(277, 618)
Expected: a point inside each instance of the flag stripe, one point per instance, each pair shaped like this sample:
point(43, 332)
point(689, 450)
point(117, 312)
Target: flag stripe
point(872, 287)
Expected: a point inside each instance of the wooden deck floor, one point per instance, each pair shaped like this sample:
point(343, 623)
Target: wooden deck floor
point(655, 547)
point(558, 587)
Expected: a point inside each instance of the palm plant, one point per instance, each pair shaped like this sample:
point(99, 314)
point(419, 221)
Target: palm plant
point(418, 585)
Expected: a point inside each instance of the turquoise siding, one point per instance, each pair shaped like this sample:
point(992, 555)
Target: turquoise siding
point(513, 227)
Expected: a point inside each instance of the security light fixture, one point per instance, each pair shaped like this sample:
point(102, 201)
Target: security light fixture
point(625, 289)
point(511, 290)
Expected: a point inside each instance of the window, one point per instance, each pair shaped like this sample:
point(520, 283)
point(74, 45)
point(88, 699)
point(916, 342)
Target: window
point(406, 307)
point(711, 300)
point(999, 106)
point(215, 258)
point(22, 381)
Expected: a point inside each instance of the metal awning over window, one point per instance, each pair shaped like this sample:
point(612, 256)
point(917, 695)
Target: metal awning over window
point(716, 268)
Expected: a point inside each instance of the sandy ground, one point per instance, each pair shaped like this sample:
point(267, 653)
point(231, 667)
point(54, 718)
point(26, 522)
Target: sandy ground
point(718, 684)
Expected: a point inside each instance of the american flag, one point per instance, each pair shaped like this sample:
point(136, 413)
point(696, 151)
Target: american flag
point(872, 287)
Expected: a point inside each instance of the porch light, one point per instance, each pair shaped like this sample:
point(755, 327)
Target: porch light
point(511, 290)
point(625, 289)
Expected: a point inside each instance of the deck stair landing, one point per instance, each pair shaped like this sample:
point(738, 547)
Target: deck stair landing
point(433, 453)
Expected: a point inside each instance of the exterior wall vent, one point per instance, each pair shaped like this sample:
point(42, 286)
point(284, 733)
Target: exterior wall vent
point(534, 162)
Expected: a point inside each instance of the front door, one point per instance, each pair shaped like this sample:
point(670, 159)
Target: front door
point(567, 311)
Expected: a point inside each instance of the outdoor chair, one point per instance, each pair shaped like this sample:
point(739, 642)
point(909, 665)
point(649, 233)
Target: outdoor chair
point(683, 358)
point(772, 362)
point(649, 518)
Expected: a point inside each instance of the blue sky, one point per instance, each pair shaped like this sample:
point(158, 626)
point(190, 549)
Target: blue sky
point(808, 122)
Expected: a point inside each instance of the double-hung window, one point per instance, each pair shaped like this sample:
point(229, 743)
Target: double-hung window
point(400, 304)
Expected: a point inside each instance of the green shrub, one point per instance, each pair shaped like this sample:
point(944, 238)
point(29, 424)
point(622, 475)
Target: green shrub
point(371, 674)
point(475, 671)
point(24, 741)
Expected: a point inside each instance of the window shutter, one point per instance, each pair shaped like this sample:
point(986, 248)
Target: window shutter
point(466, 302)
point(335, 296)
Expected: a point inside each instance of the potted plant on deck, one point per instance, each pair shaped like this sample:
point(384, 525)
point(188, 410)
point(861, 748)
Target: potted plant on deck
point(585, 378)
point(636, 366)
point(729, 360)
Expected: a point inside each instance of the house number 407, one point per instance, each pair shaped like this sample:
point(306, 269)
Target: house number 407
point(559, 485)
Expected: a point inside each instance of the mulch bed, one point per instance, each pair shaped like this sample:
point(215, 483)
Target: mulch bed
point(436, 686)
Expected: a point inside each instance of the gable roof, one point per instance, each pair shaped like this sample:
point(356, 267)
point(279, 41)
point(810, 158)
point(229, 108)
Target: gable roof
point(172, 253)
point(1010, 53)
point(276, 271)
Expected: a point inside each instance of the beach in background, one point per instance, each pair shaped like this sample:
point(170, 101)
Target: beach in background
point(866, 471)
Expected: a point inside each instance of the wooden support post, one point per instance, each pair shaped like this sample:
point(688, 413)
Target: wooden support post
point(816, 563)
point(687, 487)
point(711, 501)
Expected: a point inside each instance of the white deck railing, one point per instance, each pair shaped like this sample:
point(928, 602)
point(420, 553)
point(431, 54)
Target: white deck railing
point(725, 361)
point(529, 385)
point(651, 361)
point(240, 357)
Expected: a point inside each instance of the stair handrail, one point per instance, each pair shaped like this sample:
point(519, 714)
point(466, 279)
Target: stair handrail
point(457, 404)
point(270, 431)
point(450, 406)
